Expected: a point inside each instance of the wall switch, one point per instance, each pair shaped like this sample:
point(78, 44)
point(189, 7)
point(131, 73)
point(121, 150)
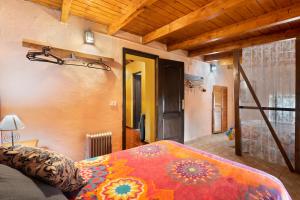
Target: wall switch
point(113, 103)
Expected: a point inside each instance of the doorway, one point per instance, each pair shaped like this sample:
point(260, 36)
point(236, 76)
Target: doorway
point(137, 99)
point(153, 92)
point(219, 109)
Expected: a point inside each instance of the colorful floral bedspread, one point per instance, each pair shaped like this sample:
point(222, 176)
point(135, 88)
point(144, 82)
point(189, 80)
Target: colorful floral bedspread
point(167, 170)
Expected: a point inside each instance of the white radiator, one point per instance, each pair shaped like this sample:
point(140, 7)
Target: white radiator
point(98, 144)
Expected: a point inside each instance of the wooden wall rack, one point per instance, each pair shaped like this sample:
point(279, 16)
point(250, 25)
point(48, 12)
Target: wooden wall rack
point(65, 53)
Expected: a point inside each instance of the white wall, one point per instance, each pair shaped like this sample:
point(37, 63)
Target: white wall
point(59, 105)
point(198, 107)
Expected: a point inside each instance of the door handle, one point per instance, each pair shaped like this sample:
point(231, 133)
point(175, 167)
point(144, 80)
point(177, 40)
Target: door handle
point(182, 104)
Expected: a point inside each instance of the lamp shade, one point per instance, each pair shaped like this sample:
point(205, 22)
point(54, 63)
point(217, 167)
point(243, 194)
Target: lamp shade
point(11, 123)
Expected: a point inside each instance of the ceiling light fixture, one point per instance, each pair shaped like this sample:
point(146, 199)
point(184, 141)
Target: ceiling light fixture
point(213, 67)
point(89, 37)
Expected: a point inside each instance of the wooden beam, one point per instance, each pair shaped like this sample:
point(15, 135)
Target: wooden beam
point(218, 56)
point(65, 10)
point(266, 119)
point(274, 18)
point(282, 35)
point(297, 121)
point(226, 62)
point(224, 58)
point(238, 138)
point(136, 8)
point(205, 13)
point(268, 108)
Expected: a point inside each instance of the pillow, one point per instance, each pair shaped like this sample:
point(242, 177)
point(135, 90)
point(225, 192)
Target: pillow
point(48, 166)
point(6, 156)
point(14, 186)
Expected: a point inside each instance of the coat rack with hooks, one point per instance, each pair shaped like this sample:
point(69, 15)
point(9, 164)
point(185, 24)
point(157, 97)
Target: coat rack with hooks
point(55, 55)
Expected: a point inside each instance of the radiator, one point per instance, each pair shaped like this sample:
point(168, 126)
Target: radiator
point(98, 144)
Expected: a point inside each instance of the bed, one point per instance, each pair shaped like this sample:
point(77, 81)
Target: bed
point(168, 170)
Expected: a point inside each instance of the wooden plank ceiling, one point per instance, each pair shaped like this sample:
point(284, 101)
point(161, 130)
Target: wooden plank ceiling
point(202, 27)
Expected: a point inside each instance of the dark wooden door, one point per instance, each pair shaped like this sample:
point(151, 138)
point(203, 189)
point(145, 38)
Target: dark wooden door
point(137, 99)
point(170, 100)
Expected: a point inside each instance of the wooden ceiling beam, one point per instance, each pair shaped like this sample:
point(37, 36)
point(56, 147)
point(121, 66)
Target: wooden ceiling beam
point(230, 46)
point(218, 56)
point(65, 10)
point(278, 17)
point(205, 13)
point(136, 8)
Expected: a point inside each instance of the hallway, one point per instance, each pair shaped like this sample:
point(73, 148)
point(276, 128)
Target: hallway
point(133, 138)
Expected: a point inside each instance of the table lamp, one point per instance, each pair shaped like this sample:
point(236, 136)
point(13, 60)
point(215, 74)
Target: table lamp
point(11, 123)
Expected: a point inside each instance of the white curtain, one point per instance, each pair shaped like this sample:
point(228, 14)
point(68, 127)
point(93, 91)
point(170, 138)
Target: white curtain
point(271, 71)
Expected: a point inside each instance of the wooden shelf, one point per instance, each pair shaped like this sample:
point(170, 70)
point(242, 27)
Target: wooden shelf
point(64, 53)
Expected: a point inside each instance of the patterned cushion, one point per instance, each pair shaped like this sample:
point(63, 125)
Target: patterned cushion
point(50, 167)
point(6, 156)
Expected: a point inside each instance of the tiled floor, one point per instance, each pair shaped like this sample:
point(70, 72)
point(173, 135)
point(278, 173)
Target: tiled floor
point(219, 145)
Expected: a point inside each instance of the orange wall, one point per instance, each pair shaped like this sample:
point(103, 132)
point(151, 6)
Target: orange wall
point(59, 105)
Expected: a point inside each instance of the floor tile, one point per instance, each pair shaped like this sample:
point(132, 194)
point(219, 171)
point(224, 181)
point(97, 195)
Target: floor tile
point(218, 144)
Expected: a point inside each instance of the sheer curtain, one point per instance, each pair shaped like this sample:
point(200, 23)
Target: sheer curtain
point(271, 71)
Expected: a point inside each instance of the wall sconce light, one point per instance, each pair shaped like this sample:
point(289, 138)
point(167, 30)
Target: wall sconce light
point(89, 37)
point(213, 67)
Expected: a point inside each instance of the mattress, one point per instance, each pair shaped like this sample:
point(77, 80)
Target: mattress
point(167, 170)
